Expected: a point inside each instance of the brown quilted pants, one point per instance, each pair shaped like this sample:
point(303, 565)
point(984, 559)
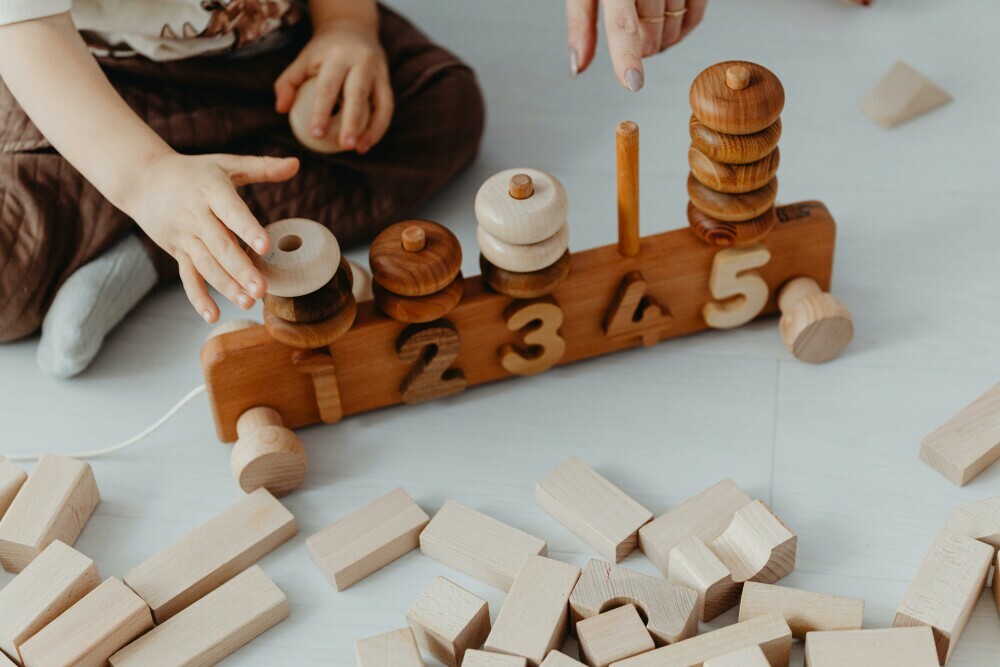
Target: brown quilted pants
point(52, 221)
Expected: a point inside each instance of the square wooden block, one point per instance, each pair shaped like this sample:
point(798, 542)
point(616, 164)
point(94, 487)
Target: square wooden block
point(612, 636)
point(397, 648)
point(487, 659)
point(447, 620)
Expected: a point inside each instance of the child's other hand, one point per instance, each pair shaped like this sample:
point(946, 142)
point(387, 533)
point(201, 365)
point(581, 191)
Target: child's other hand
point(349, 65)
point(189, 206)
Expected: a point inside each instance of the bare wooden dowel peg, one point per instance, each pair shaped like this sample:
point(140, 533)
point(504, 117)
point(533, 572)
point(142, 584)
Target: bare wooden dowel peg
point(267, 454)
point(815, 326)
point(738, 77)
point(414, 239)
point(521, 186)
point(627, 139)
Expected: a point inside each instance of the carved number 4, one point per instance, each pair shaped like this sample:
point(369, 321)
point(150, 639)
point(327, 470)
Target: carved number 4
point(733, 279)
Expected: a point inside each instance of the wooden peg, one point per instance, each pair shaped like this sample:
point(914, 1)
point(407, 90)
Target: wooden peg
point(612, 636)
point(903, 94)
point(633, 313)
point(731, 234)
point(627, 141)
point(541, 346)
point(318, 365)
point(815, 326)
point(267, 455)
point(418, 272)
point(979, 520)
point(300, 120)
point(732, 208)
point(737, 77)
point(431, 348)
point(740, 109)
point(304, 257)
point(419, 309)
point(966, 444)
point(530, 285)
point(521, 187)
point(397, 648)
point(12, 479)
point(523, 258)
point(414, 239)
point(734, 148)
point(804, 611)
point(751, 656)
point(521, 221)
point(734, 178)
point(887, 647)
point(448, 620)
point(476, 658)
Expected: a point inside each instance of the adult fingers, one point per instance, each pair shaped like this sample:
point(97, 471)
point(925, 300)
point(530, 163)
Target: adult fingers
point(581, 25)
point(246, 169)
point(356, 107)
point(695, 13)
point(194, 287)
point(216, 276)
point(287, 85)
point(624, 42)
point(651, 24)
point(221, 243)
point(672, 24)
point(382, 103)
point(329, 81)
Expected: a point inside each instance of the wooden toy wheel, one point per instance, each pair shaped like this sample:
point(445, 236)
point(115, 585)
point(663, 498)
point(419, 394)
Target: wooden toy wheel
point(267, 455)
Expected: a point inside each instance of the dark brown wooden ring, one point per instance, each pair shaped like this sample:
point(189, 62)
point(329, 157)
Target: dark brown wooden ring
point(731, 234)
point(734, 148)
point(525, 285)
point(317, 305)
point(419, 309)
point(415, 273)
point(745, 111)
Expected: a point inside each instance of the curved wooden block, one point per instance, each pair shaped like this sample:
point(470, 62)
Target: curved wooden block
point(757, 546)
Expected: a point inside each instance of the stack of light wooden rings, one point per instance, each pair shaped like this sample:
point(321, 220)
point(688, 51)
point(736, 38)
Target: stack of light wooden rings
point(523, 233)
point(416, 271)
point(734, 153)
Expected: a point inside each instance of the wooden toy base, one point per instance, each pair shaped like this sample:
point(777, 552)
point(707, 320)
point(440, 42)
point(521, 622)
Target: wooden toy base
point(249, 368)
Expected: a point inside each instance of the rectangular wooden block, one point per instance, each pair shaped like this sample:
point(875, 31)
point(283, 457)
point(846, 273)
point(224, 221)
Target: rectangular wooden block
point(212, 554)
point(750, 656)
point(946, 588)
point(534, 617)
point(979, 520)
point(397, 648)
point(90, 632)
point(54, 504)
point(5, 661)
point(770, 632)
point(996, 582)
point(557, 659)
point(12, 479)
point(212, 628)
point(447, 620)
point(478, 545)
point(704, 516)
point(612, 636)
point(888, 647)
point(596, 510)
point(968, 443)
point(369, 539)
point(55, 581)
point(487, 659)
point(802, 610)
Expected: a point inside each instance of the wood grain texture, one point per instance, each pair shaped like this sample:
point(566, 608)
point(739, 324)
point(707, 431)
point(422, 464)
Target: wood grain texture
point(311, 335)
point(212, 554)
point(733, 178)
point(478, 545)
point(448, 620)
point(627, 149)
point(523, 258)
point(804, 611)
point(734, 148)
point(593, 508)
point(55, 581)
point(532, 620)
point(539, 345)
point(267, 455)
point(318, 365)
point(979, 520)
point(945, 589)
point(315, 306)
point(415, 273)
point(475, 658)
point(522, 221)
point(745, 111)
point(212, 628)
point(751, 656)
point(91, 631)
point(525, 285)
point(419, 309)
point(995, 586)
point(770, 632)
point(902, 95)
point(695, 565)
point(635, 314)
point(613, 635)
point(304, 257)
point(732, 208)
point(731, 234)
point(815, 326)
point(741, 292)
point(55, 503)
point(431, 349)
point(397, 648)
point(966, 444)
point(886, 647)
point(12, 478)
point(670, 610)
point(300, 120)
point(558, 659)
point(247, 368)
point(368, 539)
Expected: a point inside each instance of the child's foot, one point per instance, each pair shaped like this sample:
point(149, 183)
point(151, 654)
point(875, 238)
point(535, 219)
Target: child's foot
point(90, 304)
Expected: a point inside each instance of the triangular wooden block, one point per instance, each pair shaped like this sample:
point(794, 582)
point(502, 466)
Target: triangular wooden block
point(902, 94)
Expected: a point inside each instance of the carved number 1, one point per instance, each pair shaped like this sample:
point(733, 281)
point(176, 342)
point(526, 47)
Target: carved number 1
point(733, 279)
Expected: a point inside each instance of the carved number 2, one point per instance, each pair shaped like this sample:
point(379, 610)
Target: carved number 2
point(543, 346)
point(433, 348)
point(733, 279)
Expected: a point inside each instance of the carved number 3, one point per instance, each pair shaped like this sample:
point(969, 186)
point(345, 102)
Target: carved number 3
point(433, 348)
point(733, 279)
point(543, 346)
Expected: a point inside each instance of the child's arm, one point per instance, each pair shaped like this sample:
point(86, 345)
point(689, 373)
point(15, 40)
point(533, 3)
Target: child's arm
point(186, 204)
point(349, 64)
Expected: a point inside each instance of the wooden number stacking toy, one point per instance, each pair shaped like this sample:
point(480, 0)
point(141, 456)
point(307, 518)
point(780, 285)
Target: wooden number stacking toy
point(430, 333)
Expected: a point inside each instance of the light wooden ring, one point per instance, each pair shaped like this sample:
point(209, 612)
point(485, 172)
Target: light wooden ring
point(304, 256)
point(522, 221)
point(523, 258)
point(300, 120)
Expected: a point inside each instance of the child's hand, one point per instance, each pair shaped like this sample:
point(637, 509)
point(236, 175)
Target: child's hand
point(189, 206)
point(350, 66)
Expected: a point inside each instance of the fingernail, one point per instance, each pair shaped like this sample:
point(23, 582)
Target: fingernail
point(574, 62)
point(633, 79)
point(259, 244)
point(207, 314)
point(254, 287)
point(244, 300)
point(317, 131)
point(350, 141)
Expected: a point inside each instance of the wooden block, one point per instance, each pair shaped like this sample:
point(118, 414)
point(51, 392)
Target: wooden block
point(54, 504)
point(671, 611)
point(979, 520)
point(532, 621)
point(212, 554)
point(430, 349)
point(996, 582)
point(212, 628)
point(300, 120)
point(704, 516)
point(694, 565)
point(368, 539)
point(734, 148)
point(596, 510)
point(416, 272)
point(523, 258)
point(478, 545)
point(557, 659)
point(522, 220)
point(304, 257)
point(732, 208)
point(756, 546)
point(731, 234)
point(419, 309)
point(750, 108)
point(901, 95)
point(267, 455)
point(968, 443)
point(769, 632)
point(530, 285)
point(91, 631)
point(889, 647)
point(540, 345)
point(751, 656)
point(55, 581)
point(612, 636)
point(448, 620)
point(5, 661)
point(736, 179)
point(397, 648)
point(946, 588)
point(487, 659)
point(802, 610)
point(12, 479)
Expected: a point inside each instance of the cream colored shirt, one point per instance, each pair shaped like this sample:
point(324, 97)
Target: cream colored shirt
point(162, 29)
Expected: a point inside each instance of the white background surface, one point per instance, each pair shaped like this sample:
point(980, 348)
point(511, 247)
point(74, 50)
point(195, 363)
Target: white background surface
point(833, 449)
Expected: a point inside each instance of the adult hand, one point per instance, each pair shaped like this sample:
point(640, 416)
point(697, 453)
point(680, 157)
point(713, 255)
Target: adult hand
point(636, 29)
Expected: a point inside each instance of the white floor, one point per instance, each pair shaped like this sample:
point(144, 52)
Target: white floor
point(832, 448)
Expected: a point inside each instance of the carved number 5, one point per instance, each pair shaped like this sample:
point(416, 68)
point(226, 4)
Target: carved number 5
point(543, 346)
point(733, 279)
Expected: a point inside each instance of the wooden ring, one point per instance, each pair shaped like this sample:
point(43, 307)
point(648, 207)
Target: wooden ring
point(304, 256)
point(420, 272)
point(315, 306)
point(734, 148)
point(731, 234)
point(525, 285)
point(523, 258)
point(733, 178)
point(522, 221)
point(419, 309)
point(310, 335)
point(745, 111)
point(732, 208)
point(300, 120)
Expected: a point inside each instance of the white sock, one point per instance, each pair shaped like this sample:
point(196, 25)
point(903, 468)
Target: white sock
point(90, 304)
